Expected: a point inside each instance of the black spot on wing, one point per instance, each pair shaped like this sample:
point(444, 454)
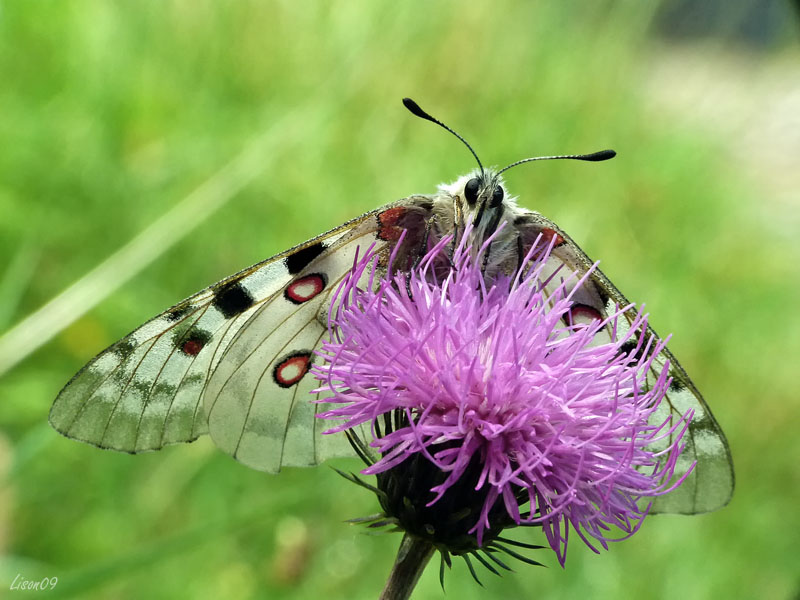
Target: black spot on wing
point(523, 220)
point(676, 385)
point(628, 347)
point(176, 313)
point(124, 348)
point(703, 425)
point(143, 387)
point(300, 260)
point(232, 299)
point(635, 346)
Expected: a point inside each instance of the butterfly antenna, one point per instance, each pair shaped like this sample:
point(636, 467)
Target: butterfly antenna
point(415, 110)
point(593, 157)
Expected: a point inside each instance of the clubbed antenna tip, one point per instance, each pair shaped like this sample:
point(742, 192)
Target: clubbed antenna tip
point(415, 110)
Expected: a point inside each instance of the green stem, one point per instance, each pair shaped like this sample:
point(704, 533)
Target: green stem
point(412, 557)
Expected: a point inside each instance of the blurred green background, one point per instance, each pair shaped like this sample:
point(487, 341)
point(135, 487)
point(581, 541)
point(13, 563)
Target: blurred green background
point(111, 114)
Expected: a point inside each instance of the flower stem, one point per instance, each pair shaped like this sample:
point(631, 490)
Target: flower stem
point(412, 557)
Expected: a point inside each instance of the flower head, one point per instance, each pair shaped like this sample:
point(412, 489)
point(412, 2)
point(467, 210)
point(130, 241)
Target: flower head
point(490, 405)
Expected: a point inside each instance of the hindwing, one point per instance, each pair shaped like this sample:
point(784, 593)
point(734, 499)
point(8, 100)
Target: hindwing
point(710, 484)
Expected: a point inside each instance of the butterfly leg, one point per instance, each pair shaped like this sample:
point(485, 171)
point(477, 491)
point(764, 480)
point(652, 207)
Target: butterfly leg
point(520, 255)
point(422, 250)
point(423, 245)
point(458, 218)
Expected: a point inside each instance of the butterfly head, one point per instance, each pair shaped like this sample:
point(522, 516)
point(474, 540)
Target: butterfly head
point(483, 189)
point(479, 199)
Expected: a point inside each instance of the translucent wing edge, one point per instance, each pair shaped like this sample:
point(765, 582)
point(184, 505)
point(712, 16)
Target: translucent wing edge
point(195, 301)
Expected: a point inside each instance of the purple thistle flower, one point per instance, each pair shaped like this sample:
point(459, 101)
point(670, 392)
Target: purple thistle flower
point(490, 407)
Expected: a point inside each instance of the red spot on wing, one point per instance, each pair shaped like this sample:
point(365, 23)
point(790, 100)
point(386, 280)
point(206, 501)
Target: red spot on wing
point(542, 238)
point(549, 234)
point(192, 347)
point(305, 288)
point(389, 221)
point(291, 369)
point(582, 312)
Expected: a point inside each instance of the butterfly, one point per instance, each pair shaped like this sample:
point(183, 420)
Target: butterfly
point(233, 360)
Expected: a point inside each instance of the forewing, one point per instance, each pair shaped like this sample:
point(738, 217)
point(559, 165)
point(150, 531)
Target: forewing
point(710, 485)
point(144, 391)
point(258, 400)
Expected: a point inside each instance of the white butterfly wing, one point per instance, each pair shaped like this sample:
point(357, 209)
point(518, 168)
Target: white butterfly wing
point(142, 393)
point(710, 485)
point(145, 391)
point(258, 400)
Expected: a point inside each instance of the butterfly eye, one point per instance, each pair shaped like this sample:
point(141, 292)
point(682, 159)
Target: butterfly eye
point(471, 190)
point(497, 197)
